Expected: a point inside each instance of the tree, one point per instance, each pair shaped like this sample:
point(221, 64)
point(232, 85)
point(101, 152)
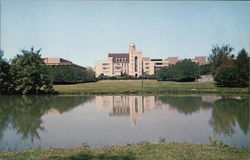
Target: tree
point(4, 75)
point(1, 54)
point(183, 71)
point(70, 74)
point(29, 73)
point(236, 74)
point(242, 68)
point(205, 69)
point(220, 56)
point(102, 77)
point(226, 76)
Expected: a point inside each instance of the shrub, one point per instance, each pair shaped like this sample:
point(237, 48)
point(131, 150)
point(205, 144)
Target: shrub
point(226, 76)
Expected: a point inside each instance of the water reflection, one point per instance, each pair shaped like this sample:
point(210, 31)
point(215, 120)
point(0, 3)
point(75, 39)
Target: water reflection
point(132, 106)
point(30, 116)
point(226, 112)
point(23, 113)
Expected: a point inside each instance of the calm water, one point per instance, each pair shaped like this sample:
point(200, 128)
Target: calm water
point(63, 121)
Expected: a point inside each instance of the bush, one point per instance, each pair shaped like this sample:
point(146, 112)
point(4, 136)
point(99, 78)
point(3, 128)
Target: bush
point(70, 74)
point(4, 75)
point(184, 71)
point(226, 76)
point(243, 68)
point(235, 73)
point(205, 69)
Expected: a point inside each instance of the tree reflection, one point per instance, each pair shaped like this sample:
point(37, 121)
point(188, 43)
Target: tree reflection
point(227, 112)
point(186, 105)
point(24, 113)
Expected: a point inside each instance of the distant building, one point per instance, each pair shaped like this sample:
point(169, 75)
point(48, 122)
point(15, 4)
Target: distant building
point(132, 63)
point(172, 60)
point(57, 61)
point(200, 60)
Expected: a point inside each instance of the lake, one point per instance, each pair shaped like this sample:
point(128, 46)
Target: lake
point(71, 121)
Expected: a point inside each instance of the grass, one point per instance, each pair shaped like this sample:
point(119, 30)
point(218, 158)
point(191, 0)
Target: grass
point(149, 87)
point(139, 151)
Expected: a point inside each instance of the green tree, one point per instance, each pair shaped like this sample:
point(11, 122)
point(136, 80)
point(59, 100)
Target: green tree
point(184, 71)
point(29, 73)
point(205, 69)
point(242, 68)
point(102, 77)
point(70, 74)
point(220, 56)
point(4, 75)
point(226, 76)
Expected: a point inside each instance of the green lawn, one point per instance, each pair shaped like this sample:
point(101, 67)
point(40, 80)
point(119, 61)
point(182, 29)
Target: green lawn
point(140, 151)
point(150, 86)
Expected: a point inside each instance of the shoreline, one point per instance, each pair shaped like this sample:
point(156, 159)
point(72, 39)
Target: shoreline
point(142, 150)
point(134, 87)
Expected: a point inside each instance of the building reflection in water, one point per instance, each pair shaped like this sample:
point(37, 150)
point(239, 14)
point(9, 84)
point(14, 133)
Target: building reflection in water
point(132, 106)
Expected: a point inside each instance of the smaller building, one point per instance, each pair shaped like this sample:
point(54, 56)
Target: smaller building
point(200, 60)
point(57, 61)
point(172, 60)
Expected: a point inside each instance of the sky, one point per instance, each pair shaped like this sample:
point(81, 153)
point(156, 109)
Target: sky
point(86, 31)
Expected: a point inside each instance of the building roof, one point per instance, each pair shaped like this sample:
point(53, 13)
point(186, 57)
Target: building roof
point(119, 55)
point(60, 61)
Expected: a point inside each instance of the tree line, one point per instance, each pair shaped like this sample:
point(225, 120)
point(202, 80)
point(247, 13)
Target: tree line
point(27, 74)
point(183, 71)
point(227, 69)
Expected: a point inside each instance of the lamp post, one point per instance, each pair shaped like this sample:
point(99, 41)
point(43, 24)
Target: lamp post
point(142, 75)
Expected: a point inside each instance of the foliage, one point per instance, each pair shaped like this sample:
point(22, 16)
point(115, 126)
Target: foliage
point(226, 76)
point(184, 71)
point(4, 75)
point(161, 140)
point(29, 73)
point(70, 74)
point(235, 73)
point(1, 54)
point(215, 142)
point(102, 77)
point(205, 69)
point(145, 151)
point(220, 56)
point(243, 68)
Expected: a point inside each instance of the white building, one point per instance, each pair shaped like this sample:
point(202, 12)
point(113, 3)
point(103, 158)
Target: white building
point(131, 63)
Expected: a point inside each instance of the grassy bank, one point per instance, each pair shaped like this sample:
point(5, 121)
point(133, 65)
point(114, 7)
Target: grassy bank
point(140, 151)
point(149, 87)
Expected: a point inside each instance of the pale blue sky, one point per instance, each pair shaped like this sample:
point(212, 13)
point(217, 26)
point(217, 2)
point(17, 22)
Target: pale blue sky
point(84, 32)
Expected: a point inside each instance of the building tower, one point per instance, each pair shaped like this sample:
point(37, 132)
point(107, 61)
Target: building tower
point(135, 61)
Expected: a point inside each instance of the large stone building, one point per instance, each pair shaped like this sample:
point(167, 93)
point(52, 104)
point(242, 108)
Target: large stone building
point(132, 63)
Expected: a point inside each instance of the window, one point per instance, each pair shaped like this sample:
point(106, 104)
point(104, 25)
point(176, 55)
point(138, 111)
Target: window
point(105, 64)
point(158, 63)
